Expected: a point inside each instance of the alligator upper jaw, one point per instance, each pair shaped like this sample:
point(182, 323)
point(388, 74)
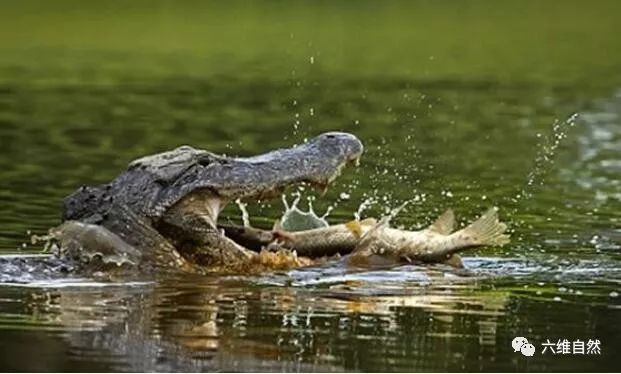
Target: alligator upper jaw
point(321, 184)
point(317, 163)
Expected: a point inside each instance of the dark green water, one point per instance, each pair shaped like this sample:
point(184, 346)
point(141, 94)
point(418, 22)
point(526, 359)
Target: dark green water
point(460, 104)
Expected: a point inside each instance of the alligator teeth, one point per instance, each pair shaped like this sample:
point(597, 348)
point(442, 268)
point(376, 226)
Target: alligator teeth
point(324, 189)
point(337, 173)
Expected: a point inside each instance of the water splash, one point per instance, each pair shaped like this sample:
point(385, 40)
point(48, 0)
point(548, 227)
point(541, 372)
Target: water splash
point(245, 216)
point(395, 211)
point(329, 210)
point(366, 203)
point(545, 156)
point(295, 219)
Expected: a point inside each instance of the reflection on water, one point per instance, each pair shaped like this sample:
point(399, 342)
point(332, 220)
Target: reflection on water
point(197, 323)
point(456, 105)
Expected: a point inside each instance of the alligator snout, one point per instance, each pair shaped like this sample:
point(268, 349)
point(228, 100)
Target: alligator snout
point(339, 145)
point(318, 162)
point(328, 153)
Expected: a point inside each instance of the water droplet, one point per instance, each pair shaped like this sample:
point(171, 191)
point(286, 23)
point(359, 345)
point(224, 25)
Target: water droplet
point(244, 211)
point(547, 150)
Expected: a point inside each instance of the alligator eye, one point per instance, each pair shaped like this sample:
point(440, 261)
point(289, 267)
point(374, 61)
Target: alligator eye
point(205, 160)
point(330, 136)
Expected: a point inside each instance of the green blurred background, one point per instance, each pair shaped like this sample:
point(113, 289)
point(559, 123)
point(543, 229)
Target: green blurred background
point(556, 41)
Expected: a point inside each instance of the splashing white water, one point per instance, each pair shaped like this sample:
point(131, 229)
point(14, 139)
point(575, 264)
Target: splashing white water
point(545, 155)
point(245, 216)
point(368, 202)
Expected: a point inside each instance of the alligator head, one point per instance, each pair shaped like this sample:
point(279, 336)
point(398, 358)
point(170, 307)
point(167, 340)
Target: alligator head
point(317, 162)
point(179, 193)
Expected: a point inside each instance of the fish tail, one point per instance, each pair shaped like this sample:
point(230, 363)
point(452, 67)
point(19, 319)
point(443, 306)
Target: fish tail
point(486, 231)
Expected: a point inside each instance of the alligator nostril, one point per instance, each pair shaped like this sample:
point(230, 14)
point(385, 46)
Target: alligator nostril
point(330, 136)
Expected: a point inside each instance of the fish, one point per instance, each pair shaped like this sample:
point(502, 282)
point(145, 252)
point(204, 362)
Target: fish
point(369, 238)
point(324, 241)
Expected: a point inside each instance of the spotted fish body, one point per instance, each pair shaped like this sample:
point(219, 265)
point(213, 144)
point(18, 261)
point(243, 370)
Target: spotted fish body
point(366, 238)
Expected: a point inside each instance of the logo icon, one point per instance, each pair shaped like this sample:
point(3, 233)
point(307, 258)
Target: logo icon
point(528, 350)
point(521, 344)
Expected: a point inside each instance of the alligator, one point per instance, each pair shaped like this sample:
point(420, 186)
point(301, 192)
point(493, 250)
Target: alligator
point(162, 211)
point(161, 214)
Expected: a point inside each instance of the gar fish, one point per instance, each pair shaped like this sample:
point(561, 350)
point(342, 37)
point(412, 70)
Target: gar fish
point(367, 238)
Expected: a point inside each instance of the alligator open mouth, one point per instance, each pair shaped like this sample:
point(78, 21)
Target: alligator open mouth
point(171, 200)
